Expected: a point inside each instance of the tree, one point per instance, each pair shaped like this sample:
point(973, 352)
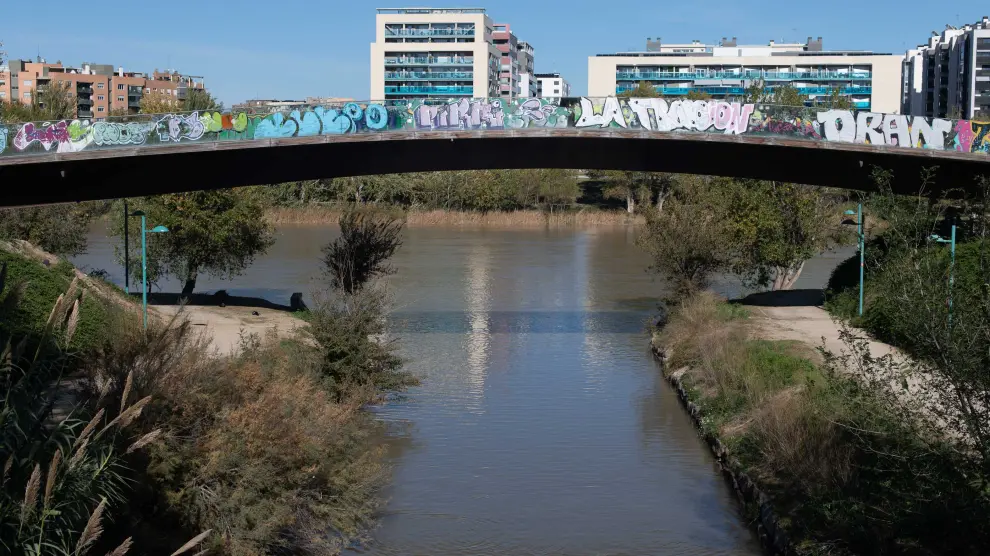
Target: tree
point(58, 229)
point(695, 94)
point(53, 102)
point(774, 228)
point(782, 95)
point(836, 100)
point(200, 100)
point(368, 239)
point(642, 90)
point(686, 244)
point(159, 103)
point(788, 95)
point(217, 232)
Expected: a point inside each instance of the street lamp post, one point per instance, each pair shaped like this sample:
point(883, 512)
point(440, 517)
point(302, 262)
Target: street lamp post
point(862, 250)
point(144, 261)
point(952, 264)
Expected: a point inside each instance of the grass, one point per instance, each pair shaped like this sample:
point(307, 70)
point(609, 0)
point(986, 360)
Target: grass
point(44, 284)
point(466, 219)
point(847, 473)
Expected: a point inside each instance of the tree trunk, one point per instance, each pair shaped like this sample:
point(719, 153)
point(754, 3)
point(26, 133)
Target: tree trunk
point(190, 285)
point(630, 203)
point(661, 198)
point(787, 276)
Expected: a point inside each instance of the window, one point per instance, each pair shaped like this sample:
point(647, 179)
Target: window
point(28, 82)
point(100, 109)
point(27, 95)
point(120, 86)
point(120, 98)
point(3, 94)
point(99, 85)
point(100, 97)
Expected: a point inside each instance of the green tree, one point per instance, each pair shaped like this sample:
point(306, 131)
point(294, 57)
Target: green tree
point(787, 95)
point(695, 94)
point(774, 228)
point(643, 90)
point(159, 103)
point(58, 229)
point(217, 232)
point(368, 239)
point(836, 100)
point(200, 100)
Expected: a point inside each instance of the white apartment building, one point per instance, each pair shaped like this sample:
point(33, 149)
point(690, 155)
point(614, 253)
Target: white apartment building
point(552, 85)
point(949, 76)
point(433, 53)
point(872, 81)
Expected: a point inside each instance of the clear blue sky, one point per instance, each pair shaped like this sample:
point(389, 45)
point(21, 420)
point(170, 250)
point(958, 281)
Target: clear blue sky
point(295, 48)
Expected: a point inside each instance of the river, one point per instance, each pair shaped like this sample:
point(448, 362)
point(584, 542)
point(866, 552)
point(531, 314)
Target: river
point(542, 425)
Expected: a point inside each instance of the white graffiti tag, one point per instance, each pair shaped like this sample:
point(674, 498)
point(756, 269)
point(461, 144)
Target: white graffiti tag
point(884, 129)
point(113, 133)
point(176, 128)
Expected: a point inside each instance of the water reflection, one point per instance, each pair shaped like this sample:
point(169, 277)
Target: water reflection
point(477, 299)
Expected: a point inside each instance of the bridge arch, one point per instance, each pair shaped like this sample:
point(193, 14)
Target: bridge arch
point(75, 161)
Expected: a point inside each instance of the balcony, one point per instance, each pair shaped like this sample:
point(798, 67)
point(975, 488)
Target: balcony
point(430, 61)
point(739, 91)
point(427, 75)
point(419, 33)
point(84, 101)
point(753, 75)
point(429, 90)
point(134, 102)
point(84, 90)
point(84, 113)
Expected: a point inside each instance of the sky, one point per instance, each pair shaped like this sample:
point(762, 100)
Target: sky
point(291, 49)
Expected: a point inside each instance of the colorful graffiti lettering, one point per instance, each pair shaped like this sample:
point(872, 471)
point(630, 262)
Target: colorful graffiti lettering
point(640, 114)
point(65, 136)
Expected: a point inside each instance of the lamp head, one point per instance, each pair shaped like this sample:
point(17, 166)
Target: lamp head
point(137, 213)
point(158, 229)
point(850, 212)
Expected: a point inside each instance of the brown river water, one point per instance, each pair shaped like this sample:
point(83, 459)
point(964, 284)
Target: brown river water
point(542, 425)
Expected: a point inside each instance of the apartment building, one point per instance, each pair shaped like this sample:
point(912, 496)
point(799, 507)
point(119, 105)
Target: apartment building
point(949, 76)
point(872, 81)
point(434, 53)
point(508, 45)
point(526, 55)
point(97, 88)
point(275, 105)
point(552, 86)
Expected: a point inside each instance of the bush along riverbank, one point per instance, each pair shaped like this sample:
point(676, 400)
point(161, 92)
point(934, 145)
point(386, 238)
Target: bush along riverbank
point(826, 453)
point(133, 441)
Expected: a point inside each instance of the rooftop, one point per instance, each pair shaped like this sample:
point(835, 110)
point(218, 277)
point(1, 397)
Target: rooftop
point(431, 10)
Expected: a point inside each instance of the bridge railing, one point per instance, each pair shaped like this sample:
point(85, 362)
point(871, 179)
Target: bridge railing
point(658, 115)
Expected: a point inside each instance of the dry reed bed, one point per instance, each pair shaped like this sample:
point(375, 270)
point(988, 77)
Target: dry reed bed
point(465, 219)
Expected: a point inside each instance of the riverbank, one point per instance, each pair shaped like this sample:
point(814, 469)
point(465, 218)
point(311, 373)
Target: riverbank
point(248, 427)
point(521, 219)
point(823, 459)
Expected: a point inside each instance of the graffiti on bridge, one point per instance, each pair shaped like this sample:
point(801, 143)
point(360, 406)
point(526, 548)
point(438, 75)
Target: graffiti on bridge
point(645, 114)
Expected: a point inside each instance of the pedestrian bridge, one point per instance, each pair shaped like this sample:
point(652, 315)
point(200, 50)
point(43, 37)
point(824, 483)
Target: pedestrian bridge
point(77, 160)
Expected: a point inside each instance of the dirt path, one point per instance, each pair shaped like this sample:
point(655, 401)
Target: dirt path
point(808, 325)
point(224, 325)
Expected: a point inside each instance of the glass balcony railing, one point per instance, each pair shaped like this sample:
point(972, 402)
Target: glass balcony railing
point(429, 90)
point(429, 61)
point(723, 91)
point(769, 76)
point(431, 75)
point(429, 32)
